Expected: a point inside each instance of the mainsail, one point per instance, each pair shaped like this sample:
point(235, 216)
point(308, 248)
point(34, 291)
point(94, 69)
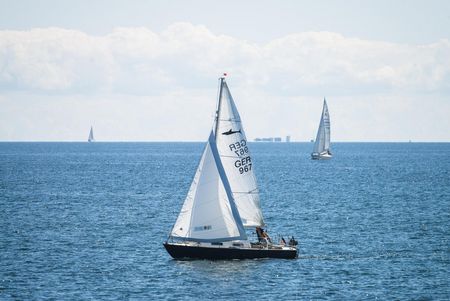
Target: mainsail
point(209, 213)
point(322, 143)
point(235, 156)
point(91, 135)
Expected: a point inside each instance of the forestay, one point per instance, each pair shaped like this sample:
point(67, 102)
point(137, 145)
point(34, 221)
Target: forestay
point(322, 142)
point(236, 158)
point(209, 213)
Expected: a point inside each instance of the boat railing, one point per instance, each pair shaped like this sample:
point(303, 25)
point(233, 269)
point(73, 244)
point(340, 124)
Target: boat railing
point(277, 239)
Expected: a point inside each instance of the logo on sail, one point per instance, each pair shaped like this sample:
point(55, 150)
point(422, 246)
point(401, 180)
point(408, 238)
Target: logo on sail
point(231, 132)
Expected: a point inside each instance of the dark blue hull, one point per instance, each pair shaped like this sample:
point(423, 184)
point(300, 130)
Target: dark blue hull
point(198, 252)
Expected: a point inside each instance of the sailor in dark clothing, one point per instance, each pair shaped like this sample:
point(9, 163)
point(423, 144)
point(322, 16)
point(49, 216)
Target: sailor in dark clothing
point(260, 234)
point(292, 241)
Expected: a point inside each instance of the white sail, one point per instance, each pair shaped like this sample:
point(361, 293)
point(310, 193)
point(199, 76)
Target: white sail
point(91, 135)
point(236, 158)
point(209, 213)
point(322, 143)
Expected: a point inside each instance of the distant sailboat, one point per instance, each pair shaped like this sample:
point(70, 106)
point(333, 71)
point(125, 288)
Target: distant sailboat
point(223, 200)
point(91, 135)
point(322, 144)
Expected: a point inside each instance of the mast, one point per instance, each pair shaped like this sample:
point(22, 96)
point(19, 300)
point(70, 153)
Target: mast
point(219, 104)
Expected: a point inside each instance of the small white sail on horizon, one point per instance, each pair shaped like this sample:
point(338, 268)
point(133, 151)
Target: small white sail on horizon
point(321, 148)
point(91, 135)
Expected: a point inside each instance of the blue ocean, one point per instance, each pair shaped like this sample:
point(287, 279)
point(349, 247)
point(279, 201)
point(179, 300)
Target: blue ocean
point(83, 221)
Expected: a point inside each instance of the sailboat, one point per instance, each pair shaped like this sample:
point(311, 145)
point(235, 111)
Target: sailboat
point(91, 135)
point(322, 144)
point(223, 199)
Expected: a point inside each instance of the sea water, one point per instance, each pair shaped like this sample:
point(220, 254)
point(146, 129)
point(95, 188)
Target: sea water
point(85, 221)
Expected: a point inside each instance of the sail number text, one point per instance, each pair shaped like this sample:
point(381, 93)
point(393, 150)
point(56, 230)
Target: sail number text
point(240, 149)
point(244, 164)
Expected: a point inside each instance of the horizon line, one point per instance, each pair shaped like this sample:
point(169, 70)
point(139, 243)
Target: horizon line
point(200, 141)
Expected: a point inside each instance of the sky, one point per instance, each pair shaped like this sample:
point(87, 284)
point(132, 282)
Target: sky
point(148, 70)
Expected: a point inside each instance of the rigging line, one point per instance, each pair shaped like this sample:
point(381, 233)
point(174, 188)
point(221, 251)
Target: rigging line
point(254, 190)
point(249, 192)
point(231, 119)
point(234, 157)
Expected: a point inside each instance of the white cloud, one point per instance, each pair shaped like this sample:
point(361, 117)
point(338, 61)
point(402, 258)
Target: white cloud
point(136, 84)
point(323, 58)
point(54, 59)
point(137, 60)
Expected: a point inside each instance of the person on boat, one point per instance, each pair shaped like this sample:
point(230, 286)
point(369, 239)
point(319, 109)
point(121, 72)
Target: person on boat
point(262, 235)
point(282, 241)
point(259, 234)
point(266, 236)
point(293, 242)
